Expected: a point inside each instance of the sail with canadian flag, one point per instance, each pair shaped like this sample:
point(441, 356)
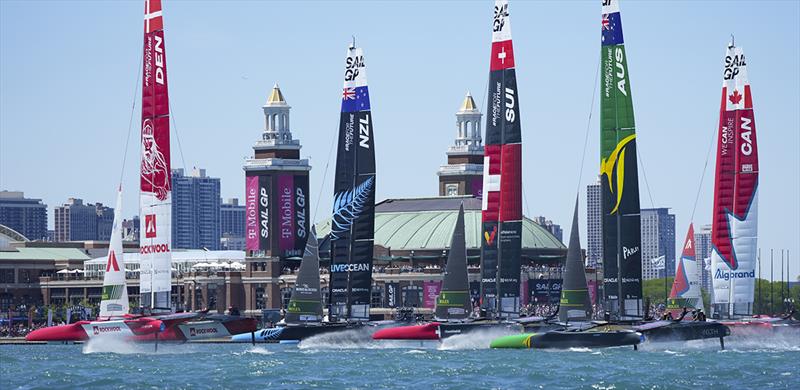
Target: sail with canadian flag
point(502, 176)
point(686, 286)
point(734, 228)
point(114, 298)
point(155, 198)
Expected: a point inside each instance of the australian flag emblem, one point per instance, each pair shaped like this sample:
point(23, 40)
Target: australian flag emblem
point(355, 99)
point(611, 29)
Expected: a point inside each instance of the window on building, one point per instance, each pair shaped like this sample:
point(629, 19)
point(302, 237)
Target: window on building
point(286, 294)
point(261, 298)
point(451, 189)
point(412, 296)
point(377, 296)
point(6, 276)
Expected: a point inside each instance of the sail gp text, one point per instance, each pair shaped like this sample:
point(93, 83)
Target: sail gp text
point(728, 275)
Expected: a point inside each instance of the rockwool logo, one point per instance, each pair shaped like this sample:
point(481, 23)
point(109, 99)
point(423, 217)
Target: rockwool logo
point(201, 331)
point(150, 226)
point(105, 329)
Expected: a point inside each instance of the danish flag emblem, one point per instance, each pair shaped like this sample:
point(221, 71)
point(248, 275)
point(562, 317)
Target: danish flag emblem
point(150, 226)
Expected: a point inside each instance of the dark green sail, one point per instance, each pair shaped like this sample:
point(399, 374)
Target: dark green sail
point(575, 303)
point(622, 265)
point(305, 305)
point(453, 301)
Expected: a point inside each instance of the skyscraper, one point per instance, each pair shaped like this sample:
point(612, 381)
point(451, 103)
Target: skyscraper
point(195, 210)
point(658, 239)
point(76, 221)
point(232, 223)
point(26, 216)
point(463, 173)
point(594, 226)
point(702, 251)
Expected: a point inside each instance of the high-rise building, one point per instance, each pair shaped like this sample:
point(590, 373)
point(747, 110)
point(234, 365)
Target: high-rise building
point(594, 226)
point(463, 173)
point(76, 221)
point(658, 239)
point(232, 222)
point(551, 227)
point(702, 252)
point(195, 210)
point(26, 216)
point(130, 229)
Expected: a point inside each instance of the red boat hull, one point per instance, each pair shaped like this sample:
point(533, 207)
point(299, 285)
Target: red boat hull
point(428, 331)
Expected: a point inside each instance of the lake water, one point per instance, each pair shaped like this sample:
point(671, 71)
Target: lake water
point(352, 361)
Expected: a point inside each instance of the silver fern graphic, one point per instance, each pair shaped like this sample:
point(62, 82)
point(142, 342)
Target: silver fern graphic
point(348, 206)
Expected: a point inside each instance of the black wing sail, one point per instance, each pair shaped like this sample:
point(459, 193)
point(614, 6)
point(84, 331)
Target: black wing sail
point(575, 304)
point(453, 301)
point(305, 305)
point(352, 228)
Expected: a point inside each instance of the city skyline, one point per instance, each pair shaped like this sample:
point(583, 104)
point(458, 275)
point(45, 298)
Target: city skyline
point(414, 126)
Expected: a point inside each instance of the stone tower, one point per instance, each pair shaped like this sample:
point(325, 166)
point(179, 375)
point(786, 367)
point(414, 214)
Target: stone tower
point(463, 173)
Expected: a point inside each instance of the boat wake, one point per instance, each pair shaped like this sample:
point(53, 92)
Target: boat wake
point(259, 350)
point(346, 339)
point(111, 344)
point(476, 339)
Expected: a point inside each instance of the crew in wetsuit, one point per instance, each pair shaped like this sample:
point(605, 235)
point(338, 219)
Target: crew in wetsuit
point(683, 314)
point(700, 316)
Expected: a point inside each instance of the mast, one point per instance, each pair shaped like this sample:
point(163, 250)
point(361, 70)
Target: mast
point(155, 197)
point(114, 298)
point(618, 168)
point(352, 228)
point(735, 217)
point(575, 302)
point(453, 301)
point(502, 176)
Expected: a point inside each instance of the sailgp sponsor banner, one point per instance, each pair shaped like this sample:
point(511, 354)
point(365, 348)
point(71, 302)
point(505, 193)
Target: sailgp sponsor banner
point(430, 290)
point(203, 330)
point(545, 290)
point(509, 267)
point(523, 292)
point(392, 294)
point(103, 328)
point(285, 214)
point(251, 213)
point(265, 197)
point(592, 290)
point(301, 214)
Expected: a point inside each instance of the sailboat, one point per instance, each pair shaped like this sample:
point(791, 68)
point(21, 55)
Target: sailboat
point(157, 319)
point(453, 305)
point(622, 262)
point(501, 241)
point(685, 290)
point(575, 306)
point(352, 226)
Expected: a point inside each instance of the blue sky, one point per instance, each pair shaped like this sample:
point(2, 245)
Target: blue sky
point(68, 72)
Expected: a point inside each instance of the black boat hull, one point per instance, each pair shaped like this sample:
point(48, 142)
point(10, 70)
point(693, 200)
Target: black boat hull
point(684, 331)
point(572, 339)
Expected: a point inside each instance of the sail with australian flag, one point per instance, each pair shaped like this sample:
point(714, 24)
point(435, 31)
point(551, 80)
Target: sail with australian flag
point(502, 176)
point(155, 197)
point(622, 256)
point(734, 228)
point(352, 227)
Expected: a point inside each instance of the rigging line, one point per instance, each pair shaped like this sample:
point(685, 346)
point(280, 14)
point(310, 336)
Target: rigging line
point(588, 124)
point(325, 174)
point(130, 122)
point(177, 135)
point(703, 175)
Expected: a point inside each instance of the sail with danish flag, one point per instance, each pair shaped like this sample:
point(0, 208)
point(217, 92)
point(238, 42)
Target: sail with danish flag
point(501, 245)
point(622, 254)
point(114, 298)
point(155, 197)
point(686, 286)
point(734, 228)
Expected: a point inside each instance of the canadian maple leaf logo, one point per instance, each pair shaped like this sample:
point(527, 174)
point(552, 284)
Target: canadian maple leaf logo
point(735, 97)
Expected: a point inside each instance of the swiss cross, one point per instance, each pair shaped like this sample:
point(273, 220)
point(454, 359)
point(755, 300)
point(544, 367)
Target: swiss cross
point(502, 55)
point(149, 16)
point(491, 183)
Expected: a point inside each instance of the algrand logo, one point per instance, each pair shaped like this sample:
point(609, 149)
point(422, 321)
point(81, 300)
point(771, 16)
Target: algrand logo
point(728, 275)
point(615, 164)
point(97, 329)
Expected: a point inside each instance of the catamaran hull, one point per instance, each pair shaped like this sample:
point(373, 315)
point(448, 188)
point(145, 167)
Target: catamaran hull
point(288, 333)
point(567, 339)
point(441, 330)
point(686, 331)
